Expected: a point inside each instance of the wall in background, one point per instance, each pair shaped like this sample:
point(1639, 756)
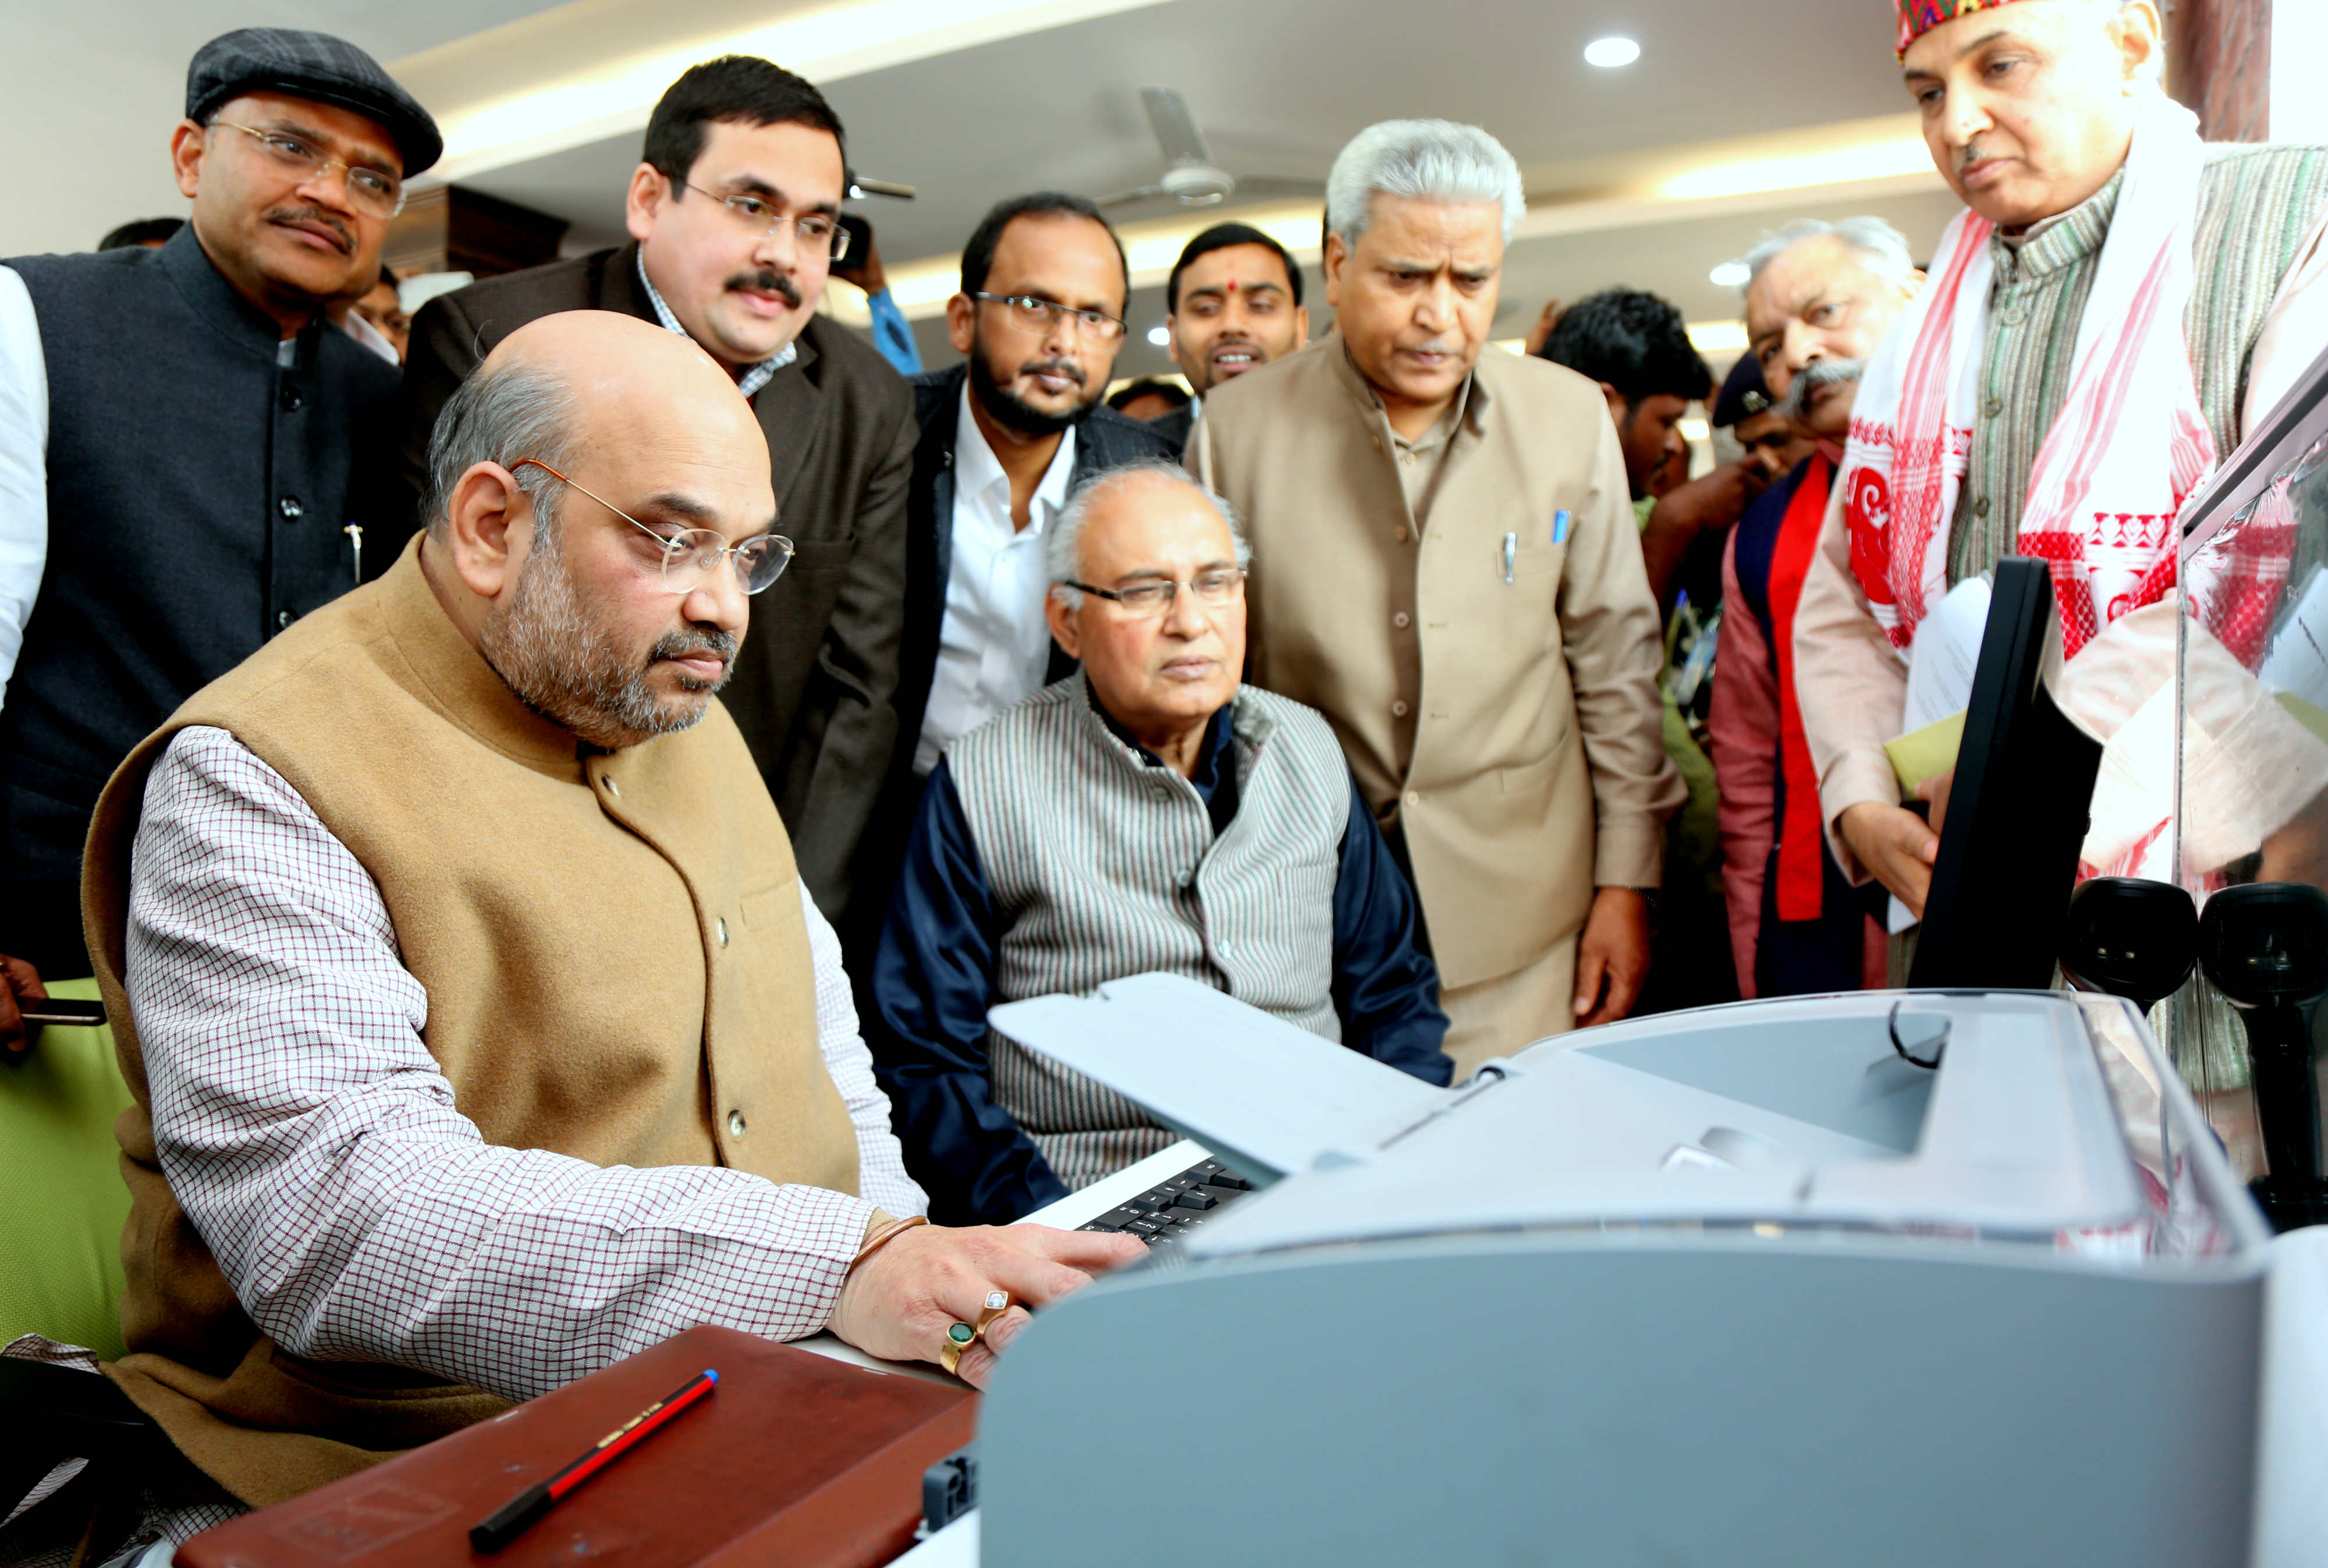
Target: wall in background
point(2219, 61)
point(2299, 46)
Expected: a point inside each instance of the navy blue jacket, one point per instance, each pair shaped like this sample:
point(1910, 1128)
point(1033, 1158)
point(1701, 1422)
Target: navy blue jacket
point(202, 493)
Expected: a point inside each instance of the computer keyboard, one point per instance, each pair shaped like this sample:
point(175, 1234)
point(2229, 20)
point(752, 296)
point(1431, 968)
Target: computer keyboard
point(1172, 1208)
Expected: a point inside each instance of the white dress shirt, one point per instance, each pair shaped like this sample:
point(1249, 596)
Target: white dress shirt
point(356, 1212)
point(994, 646)
point(24, 467)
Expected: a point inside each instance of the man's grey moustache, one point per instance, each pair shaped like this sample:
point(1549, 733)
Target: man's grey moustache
point(1796, 405)
point(681, 644)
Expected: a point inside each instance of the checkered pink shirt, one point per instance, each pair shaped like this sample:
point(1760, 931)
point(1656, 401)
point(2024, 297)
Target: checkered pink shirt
point(357, 1214)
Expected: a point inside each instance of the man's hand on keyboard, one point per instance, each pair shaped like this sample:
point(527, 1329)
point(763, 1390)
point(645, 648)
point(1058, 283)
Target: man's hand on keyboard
point(899, 1302)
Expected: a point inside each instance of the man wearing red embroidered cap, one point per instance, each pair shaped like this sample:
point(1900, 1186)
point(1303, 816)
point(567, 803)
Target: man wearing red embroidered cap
point(2119, 303)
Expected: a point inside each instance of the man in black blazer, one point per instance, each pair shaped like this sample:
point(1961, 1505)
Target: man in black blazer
point(734, 216)
point(1004, 440)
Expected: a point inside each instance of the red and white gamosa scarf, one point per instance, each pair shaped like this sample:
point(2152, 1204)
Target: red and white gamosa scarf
point(2128, 447)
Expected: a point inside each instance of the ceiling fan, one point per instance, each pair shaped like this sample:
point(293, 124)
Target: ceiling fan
point(1190, 177)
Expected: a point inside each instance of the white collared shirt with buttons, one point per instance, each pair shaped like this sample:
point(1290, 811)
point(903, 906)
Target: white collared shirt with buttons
point(994, 647)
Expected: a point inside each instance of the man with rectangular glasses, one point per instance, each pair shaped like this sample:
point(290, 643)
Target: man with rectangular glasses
point(168, 508)
point(1003, 438)
point(735, 216)
point(1149, 814)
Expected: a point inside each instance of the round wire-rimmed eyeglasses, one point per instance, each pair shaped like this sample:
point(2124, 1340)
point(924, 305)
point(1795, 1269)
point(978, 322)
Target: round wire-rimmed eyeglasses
point(686, 556)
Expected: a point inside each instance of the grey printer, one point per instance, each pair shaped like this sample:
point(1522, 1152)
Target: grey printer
point(1744, 1285)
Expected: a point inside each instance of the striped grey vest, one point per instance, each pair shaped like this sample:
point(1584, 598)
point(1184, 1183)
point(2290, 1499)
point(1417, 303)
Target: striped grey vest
point(1102, 866)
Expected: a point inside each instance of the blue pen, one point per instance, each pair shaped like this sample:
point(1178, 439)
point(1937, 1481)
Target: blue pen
point(1559, 526)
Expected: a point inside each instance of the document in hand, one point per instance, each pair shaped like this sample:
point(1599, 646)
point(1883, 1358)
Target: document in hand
point(798, 1460)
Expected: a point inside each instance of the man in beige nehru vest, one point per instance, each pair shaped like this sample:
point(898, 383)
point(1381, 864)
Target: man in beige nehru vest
point(1449, 570)
point(484, 1033)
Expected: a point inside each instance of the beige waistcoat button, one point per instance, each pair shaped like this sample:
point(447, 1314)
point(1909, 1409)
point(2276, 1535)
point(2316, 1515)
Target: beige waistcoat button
point(722, 924)
point(735, 1123)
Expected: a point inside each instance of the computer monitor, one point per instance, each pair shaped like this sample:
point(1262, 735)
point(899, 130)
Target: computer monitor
point(2018, 809)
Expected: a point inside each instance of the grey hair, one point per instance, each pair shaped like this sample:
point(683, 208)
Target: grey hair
point(1062, 543)
point(1424, 160)
point(1884, 248)
point(499, 415)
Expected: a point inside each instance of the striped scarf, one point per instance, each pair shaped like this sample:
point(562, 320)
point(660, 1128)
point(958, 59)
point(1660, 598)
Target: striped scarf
point(2128, 447)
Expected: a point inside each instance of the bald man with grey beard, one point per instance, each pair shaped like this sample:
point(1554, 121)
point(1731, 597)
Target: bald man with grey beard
point(480, 1028)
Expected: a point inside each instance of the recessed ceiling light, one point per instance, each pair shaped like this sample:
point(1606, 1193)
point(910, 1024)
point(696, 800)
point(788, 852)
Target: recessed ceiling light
point(1731, 275)
point(1161, 336)
point(1610, 52)
point(1717, 337)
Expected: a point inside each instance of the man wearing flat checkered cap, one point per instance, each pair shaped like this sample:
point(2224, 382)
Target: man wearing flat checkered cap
point(179, 433)
point(2118, 304)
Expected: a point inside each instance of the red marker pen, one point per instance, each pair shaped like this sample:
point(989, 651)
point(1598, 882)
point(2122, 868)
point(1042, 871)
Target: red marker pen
point(510, 1521)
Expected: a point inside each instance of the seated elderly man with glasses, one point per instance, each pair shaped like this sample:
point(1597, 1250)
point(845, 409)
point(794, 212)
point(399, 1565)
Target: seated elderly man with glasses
point(484, 1029)
point(1146, 813)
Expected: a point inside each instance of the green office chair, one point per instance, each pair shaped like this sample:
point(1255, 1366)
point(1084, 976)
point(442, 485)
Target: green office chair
point(62, 1203)
point(62, 1208)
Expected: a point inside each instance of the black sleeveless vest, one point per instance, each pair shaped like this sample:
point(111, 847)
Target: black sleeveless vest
point(198, 498)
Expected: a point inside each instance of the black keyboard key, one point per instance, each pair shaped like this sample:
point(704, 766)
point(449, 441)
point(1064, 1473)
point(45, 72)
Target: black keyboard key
point(1117, 1218)
point(1230, 1179)
point(1197, 1198)
point(1145, 1226)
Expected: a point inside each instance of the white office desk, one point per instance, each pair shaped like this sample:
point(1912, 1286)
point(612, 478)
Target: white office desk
point(956, 1545)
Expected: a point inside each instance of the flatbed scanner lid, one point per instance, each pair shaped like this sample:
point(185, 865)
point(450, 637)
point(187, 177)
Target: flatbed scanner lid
point(1794, 1113)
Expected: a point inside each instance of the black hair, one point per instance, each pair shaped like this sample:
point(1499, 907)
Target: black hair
point(733, 90)
point(1148, 387)
point(1220, 237)
point(141, 231)
point(1635, 342)
point(978, 256)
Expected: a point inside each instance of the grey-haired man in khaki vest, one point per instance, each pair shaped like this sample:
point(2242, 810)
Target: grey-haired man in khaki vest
point(483, 1031)
point(1451, 571)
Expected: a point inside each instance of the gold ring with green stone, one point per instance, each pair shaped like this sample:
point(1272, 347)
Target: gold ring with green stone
point(958, 1338)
